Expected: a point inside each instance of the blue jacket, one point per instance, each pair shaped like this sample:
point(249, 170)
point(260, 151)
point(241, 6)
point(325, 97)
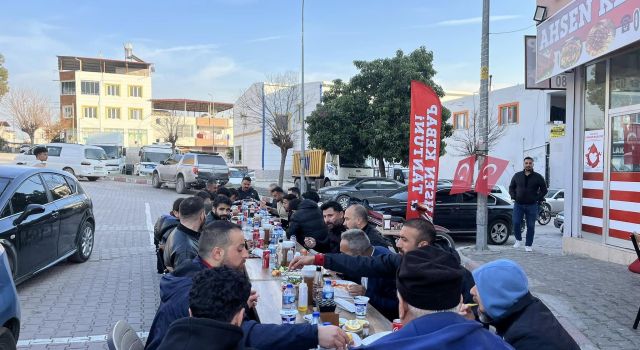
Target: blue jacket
point(442, 330)
point(174, 304)
point(382, 291)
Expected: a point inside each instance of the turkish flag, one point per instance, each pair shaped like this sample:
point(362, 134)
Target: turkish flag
point(463, 177)
point(490, 173)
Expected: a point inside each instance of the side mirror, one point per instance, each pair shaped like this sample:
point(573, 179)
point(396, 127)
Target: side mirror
point(31, 209)
point(163, 162)
point(124, 151)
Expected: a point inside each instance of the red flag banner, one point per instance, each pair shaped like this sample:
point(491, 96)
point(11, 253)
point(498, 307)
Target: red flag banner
point(424, 148)
point(490, 173)
point(463, 178)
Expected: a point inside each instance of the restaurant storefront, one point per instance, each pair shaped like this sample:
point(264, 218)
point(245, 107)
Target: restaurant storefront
point(596, 44)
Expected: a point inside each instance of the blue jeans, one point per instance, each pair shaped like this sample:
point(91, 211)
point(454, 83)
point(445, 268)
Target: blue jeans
point(530, 211)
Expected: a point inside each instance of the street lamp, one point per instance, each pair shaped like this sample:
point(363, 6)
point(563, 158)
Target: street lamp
point(540, 14)
point(303, 179)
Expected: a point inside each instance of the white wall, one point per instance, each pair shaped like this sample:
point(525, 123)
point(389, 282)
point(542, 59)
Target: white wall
point(518, 141)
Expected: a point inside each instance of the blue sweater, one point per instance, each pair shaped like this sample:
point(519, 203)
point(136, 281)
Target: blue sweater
point(382, 291)
point(442, 330)
point(174, 305)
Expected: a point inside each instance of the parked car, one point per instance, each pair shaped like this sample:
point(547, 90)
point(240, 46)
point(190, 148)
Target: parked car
point(45, 217)
point(359, 188)
point(10, 306)
point(190, 170)
point(455, 212)
point(555, 200)
point(558, 222)
point(236, 175)
point(78, 160)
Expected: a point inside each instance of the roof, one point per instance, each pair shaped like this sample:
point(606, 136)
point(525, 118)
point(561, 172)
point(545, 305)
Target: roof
point(14, 171)
point(93, 64)
point(183, 104)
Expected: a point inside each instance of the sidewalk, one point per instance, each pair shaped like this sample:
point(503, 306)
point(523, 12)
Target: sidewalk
point(596, 301)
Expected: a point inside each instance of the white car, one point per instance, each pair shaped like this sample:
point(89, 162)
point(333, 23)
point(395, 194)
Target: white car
point(236, 175)
point(555, 200)
point(78, 160)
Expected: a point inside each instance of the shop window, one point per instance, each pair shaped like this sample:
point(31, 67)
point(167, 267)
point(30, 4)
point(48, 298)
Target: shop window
point(624, 88)
point(625, 146)
point(509, 113)
point(594, 96)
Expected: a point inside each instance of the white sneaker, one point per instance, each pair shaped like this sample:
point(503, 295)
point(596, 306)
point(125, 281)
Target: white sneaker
point(528, 249)
point(517, 244)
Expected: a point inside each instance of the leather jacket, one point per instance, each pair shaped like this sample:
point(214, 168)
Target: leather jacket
point(181, 246)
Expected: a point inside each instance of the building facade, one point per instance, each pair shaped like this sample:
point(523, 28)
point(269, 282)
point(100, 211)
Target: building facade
point(521, 123)
point(596, 44)
point(105, 96)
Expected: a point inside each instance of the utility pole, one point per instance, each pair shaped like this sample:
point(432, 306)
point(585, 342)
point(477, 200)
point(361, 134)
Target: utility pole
point(303, 159)
point(481, 215)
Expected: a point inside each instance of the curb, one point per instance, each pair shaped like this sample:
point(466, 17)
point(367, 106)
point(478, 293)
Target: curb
point(137, 181)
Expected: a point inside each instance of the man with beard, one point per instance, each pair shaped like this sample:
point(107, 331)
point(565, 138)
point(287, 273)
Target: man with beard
point(333, 216)
point(527, 189)
point(221, 209)
point(182, 243)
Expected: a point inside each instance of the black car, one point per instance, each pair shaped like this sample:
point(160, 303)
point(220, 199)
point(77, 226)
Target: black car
point(358, 189)
point(455, 212)
point(45, 217)
point(558, 222)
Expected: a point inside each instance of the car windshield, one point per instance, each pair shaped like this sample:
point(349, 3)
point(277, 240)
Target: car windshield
point(352, 182)
point(551, 193)
point(95, 153)
point(112, 152)
point(4, 182)
point(210, 160)
point(398, 194)
point(237, 173)
point(154, 157)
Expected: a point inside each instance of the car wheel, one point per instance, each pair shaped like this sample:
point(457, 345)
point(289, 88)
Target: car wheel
point(85, 243)
point(69, 170)
point(180, 186)
point(498, 232)
point(343, 200)
point(93, 178)
point(327, 183)
point(441, 236)
point(7, 340)
point(155, 181)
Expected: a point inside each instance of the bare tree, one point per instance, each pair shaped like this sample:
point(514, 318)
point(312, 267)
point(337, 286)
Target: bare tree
point(276, 103)
point(52, 129)
point(30, 111)
point(169, 125)
point(465, 141)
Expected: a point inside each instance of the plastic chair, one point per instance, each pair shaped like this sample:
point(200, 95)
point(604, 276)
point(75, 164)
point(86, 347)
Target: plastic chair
point(123, 337)
point(635, 239)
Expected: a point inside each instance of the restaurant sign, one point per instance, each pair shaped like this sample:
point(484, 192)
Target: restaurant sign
point(582, 31)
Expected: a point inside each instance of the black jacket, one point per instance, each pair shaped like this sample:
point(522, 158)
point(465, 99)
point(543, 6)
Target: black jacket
point(202, 333)
point(181, 246)
point(527, 189)
point(529, 325)
point(386, 266)
point(250, 194)
point(335, 235)
point(163, 224)
point(375, 237)
point(307, 221)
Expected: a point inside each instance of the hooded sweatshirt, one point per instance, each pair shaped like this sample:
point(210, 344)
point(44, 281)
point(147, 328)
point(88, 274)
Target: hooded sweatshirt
point(520, 318)
point(441, 330)
point(202, 333)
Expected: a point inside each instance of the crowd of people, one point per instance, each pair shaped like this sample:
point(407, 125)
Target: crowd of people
point(207, 300)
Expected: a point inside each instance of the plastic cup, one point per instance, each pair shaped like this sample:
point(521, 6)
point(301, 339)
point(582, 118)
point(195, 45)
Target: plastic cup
point(361, 306)
point(288, 316)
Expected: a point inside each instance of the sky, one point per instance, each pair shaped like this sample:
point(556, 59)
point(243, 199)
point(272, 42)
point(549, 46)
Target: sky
point(215, 49)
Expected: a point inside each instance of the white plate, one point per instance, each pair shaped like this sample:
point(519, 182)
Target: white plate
point(357, 341)
point(372, 338)
point(351, 307)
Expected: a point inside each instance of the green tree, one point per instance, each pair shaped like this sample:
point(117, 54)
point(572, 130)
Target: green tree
point(372, 110)
point(4, 78)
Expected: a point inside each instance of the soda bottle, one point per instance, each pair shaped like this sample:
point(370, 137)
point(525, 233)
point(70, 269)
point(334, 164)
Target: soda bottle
point(317, 285)
point(302, 298)
point(288, 298)
point(327, 291)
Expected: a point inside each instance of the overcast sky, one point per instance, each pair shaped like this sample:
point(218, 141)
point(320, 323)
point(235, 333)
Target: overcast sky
point(220, 47)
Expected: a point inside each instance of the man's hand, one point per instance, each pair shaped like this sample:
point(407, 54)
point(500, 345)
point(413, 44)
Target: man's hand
point(332, 337)
point(310, 242)
point(356, 289)
point(253, 299)
point(300, 261)
point(466, 312)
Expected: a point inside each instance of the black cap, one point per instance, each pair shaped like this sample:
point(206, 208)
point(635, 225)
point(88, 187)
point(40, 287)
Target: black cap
point(430, 279)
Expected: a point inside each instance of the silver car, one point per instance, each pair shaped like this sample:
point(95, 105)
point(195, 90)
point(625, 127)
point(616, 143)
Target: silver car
point(191, 170)
point(555, 200)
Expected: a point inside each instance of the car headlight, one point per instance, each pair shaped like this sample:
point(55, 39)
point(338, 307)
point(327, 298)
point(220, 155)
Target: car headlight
point(331, 192)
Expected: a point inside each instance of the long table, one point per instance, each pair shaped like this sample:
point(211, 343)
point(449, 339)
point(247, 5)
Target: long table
point(270, 299)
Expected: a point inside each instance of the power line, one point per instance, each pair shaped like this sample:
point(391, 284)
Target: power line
point(514, 31)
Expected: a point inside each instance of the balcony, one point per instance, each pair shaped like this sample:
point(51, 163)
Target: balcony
point(208, 142)
point(217, 123)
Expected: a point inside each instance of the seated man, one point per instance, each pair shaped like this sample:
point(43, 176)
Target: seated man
point(245, 191)
point(307, 222)
point(216, 306)
point(276, 207)
point(429, 282)
point(182, 243)
point(294, 191)
point(163, 225)
point(222, 243)
point(212, 187)
point(504, 301)
point(381, 291)
point(206, 197)
point(221, 209)
point(333, 216)
point(356, 216)
point(311, 195)
point(222, 191)
point(233, 195)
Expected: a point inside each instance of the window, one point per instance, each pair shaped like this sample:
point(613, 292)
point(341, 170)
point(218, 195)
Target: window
point(73, 185)
point(461, 120)
point(188, 160)
point(135, 113)
point(90, 87)
point(31, 191)
point(67, 112)
point(443, 197)
point(560, 195)
point(368, 185)
point(67, 87)
point(90, 112)
point(594, 96)
point(137, 137)
point(508, 114)
point(624, 84)
point(58, 187)
point(469, 198)
point(185, 131)
point(54, 151)
point(113, 113)
point(211, 160)
point(113, 90)
point(625, 145)
point(387, 185)
point(95, 154)
point(135, 91)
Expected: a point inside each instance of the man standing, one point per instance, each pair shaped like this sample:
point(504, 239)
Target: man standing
point(527, 189)
point(356, 216)
point(42, 154)
point(221, 209)
point(182, 243)
point(245, 191)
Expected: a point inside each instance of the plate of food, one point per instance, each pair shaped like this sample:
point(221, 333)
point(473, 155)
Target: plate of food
point(570, 53)
point(355, 339)
point(341, 288)
point(599, 37)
